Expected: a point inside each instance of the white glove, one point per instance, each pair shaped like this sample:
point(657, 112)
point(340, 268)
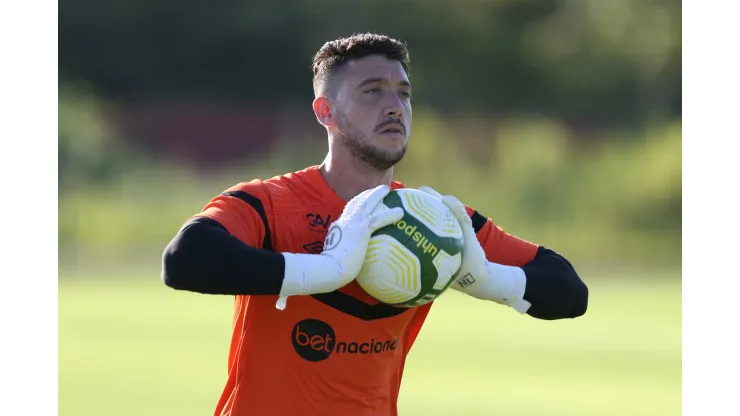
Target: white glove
point(344, 251)
point(479, 277)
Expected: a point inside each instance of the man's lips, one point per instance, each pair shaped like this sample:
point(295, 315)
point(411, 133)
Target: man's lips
point(393, 128)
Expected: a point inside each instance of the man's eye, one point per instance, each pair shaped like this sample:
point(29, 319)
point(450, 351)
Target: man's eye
point(405, 94)
point(372, 91)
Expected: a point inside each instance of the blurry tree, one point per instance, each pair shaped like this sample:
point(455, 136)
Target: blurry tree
point(83, 138)
point(90, 150)
point(587, 61)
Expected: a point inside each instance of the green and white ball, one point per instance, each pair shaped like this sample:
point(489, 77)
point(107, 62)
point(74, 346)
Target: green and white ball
point(413, 261)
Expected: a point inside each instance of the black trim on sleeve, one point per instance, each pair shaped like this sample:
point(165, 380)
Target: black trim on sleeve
point(257, 205)
point(203, 257)
point(553, 287)
point(478, 221)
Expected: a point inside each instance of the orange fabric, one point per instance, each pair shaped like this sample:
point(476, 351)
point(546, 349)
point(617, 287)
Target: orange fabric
point(502, 247)
point(314, 358)
point(239, 218)
point(270, 367)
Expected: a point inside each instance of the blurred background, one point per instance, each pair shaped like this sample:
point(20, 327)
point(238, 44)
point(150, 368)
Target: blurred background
point(559, 119)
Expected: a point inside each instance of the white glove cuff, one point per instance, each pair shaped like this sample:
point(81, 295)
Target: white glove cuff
point(506, 285)
point(306, 274)
point(295, 281)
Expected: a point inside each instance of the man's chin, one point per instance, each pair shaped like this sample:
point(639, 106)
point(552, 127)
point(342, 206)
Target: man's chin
point(385, 159)
point(382, 154)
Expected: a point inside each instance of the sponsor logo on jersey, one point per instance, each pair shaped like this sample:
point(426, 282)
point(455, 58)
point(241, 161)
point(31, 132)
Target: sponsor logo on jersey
point(316, 340)
point(318, 221)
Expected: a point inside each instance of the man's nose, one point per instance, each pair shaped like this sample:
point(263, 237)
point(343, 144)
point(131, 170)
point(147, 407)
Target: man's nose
point(394, 107)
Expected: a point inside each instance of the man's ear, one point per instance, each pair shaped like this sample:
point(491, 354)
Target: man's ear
point(323, 111)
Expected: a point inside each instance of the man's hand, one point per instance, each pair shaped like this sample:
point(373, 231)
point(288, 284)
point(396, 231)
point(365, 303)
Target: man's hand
point(345, 248)
point(474, 268)
point(349, 236)
point(479, 277)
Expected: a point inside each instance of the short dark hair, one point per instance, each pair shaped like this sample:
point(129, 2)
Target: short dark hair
point(334, 54)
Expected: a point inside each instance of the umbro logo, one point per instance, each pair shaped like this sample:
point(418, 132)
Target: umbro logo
point(314, 248)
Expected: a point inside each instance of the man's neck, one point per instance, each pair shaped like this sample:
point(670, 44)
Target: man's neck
point(349, 177)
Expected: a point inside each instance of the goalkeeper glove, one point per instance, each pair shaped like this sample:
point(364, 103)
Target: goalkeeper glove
point(345, 248)
point(479, 277)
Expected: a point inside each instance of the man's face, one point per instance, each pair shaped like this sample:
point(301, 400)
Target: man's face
point(373, 110)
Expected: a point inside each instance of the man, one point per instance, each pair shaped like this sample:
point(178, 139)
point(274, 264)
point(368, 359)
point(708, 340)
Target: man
point(261, 241)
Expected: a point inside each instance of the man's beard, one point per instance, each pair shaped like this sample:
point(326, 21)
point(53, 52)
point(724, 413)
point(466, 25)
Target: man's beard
point(360, 149)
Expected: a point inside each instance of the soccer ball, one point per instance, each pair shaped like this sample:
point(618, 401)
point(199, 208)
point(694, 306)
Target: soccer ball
point(414, 260)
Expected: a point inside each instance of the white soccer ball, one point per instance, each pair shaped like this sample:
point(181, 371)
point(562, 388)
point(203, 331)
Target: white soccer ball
point(414, 260)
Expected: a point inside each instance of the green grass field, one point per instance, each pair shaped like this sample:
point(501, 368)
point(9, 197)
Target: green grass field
point(137, 348)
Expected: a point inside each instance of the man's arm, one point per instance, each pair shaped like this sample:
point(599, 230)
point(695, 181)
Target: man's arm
point(553, 287)
point(205, 258)
point(227, 249)
point(551, 284)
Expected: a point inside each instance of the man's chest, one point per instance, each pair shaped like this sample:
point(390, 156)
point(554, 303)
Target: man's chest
point(302, 227)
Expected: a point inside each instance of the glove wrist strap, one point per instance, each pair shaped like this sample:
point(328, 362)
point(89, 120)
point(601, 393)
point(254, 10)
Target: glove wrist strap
point(307, 274)
point(506, 285)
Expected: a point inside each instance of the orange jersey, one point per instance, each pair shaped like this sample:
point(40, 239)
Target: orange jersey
point(338, 353)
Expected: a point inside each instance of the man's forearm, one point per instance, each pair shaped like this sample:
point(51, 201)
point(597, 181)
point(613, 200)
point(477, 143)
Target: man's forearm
point(546, 288)
point(553, 287)
point(205, 258)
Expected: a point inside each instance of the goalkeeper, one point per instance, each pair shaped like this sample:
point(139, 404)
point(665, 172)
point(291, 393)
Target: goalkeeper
point(261, 241)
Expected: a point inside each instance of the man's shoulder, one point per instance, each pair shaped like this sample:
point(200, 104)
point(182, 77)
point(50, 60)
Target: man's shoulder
point(308, 174)
point(297, 186)
point(278, 194)
point(260, 187)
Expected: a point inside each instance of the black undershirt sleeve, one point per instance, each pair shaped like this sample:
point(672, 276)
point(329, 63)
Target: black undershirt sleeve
point(205, 258)
point(553, 287)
